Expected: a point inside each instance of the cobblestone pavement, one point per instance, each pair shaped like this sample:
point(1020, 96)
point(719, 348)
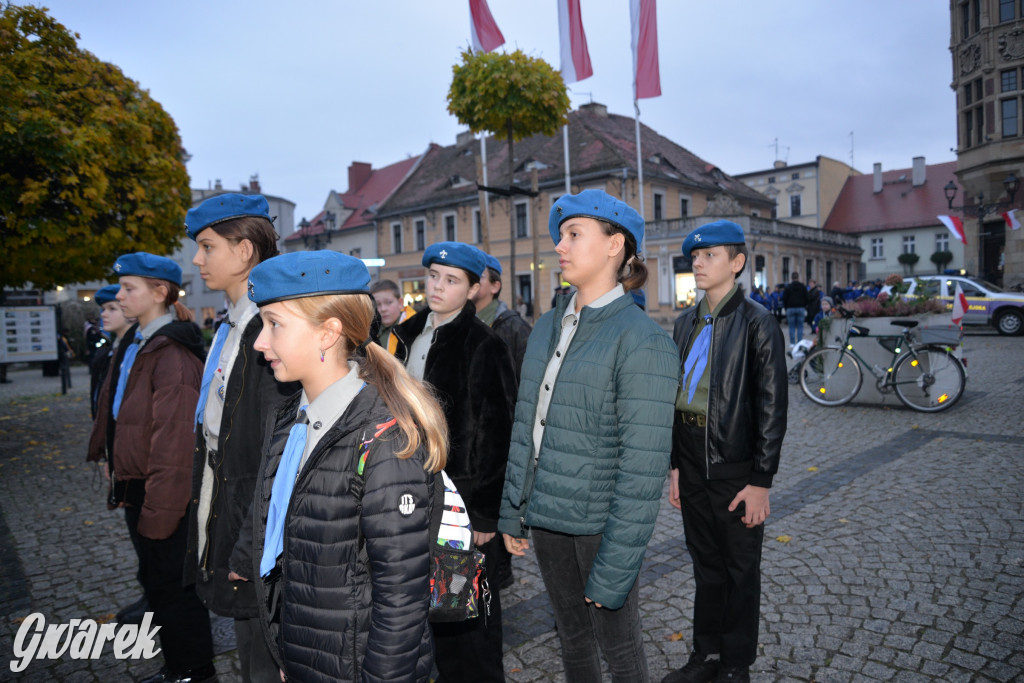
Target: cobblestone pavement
point(895, 549)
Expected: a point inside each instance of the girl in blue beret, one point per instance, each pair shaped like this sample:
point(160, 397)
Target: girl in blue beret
point(591, 440)
point(114, 325)
point(233, 233)
point(144, 429)
point(340, 516)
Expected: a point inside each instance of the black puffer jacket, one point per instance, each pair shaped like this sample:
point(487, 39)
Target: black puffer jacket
point(252, 395)
point(471, 370)
point(749, 396)
point(323, 615)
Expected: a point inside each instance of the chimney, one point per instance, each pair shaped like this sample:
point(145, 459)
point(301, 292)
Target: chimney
point(596, 109)
point(878, 178)
point(358, 173)
point(918, 174)
point(779, 163)
point(217, 185)
point(254, 183)
point(464, 138)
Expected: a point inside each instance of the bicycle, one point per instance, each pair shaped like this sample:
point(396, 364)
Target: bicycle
point(925, 376)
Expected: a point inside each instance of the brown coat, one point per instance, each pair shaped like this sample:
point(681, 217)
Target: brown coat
point(153, 437)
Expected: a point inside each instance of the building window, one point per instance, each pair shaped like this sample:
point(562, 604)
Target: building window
point(785, 269)
point(975, 16)
point(942, 241)
point(477, 228)
point(1009, 113)
point(356, 253)
point(449, 228)
point(396, 238)
point(659, 206)
point(795, 176)
point(522, 221)
point(908, 244)
point(965, 21)
point(808, 270)
point(794, 205)
point(1006, 12)
point(421, 234)
point(876, 249)
point(771, 180)
point(1008, 81)
point(968, 127)
point(684, 206)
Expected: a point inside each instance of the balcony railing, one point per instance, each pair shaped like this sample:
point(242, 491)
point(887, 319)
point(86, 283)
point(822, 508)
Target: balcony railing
point(678, 228)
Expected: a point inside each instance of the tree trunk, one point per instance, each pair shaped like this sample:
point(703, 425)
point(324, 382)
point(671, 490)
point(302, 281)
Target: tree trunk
point(511, 218)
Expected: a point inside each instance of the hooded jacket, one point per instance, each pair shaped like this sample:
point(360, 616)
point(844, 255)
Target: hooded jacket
point(151, 443)
point(749, 395)
point(471, 371)
point(514, 331)
point(251, 397)
point(326, 613)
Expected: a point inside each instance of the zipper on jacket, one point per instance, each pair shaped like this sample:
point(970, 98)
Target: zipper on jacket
point(707, 411)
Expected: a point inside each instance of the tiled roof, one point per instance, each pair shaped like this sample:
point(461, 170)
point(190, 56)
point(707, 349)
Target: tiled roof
point(599, 146)
point(899, 206)
point(363, 200)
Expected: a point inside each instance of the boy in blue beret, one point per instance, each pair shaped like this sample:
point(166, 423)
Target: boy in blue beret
point(471, 370)
point(730, 421)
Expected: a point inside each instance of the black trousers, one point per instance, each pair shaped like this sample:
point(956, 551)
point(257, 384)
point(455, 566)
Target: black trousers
point(185, 622)
point(726, 559)
point(471, 651)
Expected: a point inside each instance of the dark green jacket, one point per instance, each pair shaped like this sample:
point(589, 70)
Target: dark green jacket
point(606, 444)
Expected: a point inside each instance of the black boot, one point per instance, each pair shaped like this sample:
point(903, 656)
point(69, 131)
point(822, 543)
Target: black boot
point(133, 613)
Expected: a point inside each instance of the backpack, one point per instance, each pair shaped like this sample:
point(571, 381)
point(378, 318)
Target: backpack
point(456, 566)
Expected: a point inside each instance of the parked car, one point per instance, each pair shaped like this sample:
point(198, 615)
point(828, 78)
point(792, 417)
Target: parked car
point(987, 304)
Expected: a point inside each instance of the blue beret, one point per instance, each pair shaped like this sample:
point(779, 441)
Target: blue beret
point(104, 295)
point(143, 264)
point(307, 273)
point(456, 254)
point(492, 262)
point(222, 208)
point(714, 235)
point(600, 205)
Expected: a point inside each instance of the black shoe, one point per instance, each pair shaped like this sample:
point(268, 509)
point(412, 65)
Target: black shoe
point(133, 613)
point(201, 674)
point(698, 669)
point(733, 674)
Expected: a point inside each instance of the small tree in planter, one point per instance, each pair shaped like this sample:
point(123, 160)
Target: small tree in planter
point(909, 260)
point(941, 259)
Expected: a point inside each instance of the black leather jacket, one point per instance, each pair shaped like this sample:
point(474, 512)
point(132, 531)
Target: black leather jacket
point(749, 396)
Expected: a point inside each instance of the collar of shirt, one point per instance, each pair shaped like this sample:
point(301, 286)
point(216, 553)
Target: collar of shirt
point(600, 302)
point(702, 310)
point(242, 312)
point(433, 324)
point(329, 406)
point(489, 312)
point(154, 325)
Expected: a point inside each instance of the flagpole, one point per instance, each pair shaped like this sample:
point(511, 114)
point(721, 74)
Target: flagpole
point(565, 148)
point(639, 163)
point(483, 160)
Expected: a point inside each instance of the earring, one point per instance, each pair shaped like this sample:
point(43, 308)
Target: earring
point(321, 355)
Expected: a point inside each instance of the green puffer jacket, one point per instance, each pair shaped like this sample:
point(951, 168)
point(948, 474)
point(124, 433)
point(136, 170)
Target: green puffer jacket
point(605, 450)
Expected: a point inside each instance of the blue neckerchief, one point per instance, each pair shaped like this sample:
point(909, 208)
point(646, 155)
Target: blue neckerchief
point(697, 359)
point(211, 364)
point(281, 492)
point(126, 367)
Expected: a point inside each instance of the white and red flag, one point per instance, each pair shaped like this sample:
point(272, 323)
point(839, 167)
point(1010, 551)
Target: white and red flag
point(573, 42)
point(1012, 222)
point(956, 226)
point(959, 305)
point(486, 34)
point(646, 73)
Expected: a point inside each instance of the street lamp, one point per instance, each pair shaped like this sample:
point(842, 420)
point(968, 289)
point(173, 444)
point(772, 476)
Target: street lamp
point(311, 241)
point(981, 210)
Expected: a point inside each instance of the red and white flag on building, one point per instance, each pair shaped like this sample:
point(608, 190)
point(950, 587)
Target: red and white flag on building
point(959, 305)
point(573, 42)
point(956, 226)
point(1012, 222)
point(646, 74)
point(486, 34)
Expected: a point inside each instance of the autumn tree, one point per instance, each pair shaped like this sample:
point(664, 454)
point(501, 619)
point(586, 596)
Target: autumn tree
point(508, 94)
point(91, 165)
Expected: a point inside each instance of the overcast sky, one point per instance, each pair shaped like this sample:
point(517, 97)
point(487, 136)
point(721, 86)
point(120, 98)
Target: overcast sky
point(295, 91)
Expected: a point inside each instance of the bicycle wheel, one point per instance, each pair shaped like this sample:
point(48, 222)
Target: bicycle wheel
point(830, 377)
point(929, 379)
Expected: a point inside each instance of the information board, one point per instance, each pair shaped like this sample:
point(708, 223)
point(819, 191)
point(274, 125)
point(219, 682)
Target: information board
point(29, 333)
